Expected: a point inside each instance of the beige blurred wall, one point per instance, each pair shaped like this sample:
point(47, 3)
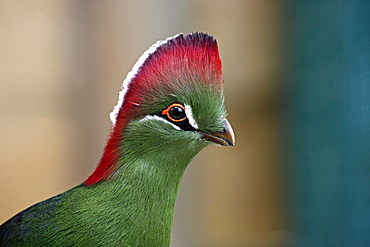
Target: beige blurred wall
point(61, 67)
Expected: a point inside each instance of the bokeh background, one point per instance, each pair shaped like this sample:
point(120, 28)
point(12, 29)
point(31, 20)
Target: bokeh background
point(297, 91)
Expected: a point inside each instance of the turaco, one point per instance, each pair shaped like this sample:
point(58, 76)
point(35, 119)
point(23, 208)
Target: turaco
point(171, 106)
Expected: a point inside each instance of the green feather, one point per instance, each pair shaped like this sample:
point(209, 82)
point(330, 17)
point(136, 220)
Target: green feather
point(138, 201)
point(134, 206)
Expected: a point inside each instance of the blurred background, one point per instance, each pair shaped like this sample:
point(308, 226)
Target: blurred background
point(297, 92)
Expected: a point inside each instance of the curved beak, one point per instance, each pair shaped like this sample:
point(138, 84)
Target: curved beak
point(223, 138)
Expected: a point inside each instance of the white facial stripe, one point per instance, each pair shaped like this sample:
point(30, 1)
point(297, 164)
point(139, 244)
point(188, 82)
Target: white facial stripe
point(132, 74)
point(154, 117)
point(189, 115)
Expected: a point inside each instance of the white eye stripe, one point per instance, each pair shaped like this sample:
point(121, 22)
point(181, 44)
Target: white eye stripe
point(189, 115)
point(154, 117)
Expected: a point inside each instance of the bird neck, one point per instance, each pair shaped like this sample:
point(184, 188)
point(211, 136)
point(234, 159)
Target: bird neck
point(135, 206)
point(137, 200)
point(144, 199)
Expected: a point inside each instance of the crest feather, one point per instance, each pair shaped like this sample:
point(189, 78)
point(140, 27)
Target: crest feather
point(195, 50)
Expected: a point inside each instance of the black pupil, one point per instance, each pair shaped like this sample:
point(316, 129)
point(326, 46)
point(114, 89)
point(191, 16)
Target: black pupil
point(177, 113)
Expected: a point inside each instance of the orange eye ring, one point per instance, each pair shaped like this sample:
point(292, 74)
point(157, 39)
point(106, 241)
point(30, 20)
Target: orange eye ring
point(175, 112)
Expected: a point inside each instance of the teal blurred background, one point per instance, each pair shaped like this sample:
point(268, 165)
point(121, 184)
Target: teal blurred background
point(297, 91)
point(328, 123)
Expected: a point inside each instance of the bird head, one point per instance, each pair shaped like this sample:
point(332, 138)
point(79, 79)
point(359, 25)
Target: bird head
point(170, 107)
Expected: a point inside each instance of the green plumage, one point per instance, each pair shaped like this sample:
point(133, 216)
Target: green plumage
point(134, 205)
point(138, 201)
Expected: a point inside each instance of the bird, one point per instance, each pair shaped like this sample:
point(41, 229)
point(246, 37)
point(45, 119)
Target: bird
point(170, 107)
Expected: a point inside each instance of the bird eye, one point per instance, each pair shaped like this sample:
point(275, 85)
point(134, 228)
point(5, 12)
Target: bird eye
point(175, 112)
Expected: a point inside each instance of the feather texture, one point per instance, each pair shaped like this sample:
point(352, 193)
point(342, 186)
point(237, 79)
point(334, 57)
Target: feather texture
point(129, 199)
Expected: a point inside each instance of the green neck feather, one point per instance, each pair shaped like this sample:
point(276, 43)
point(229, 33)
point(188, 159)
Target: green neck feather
point(135, 207)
